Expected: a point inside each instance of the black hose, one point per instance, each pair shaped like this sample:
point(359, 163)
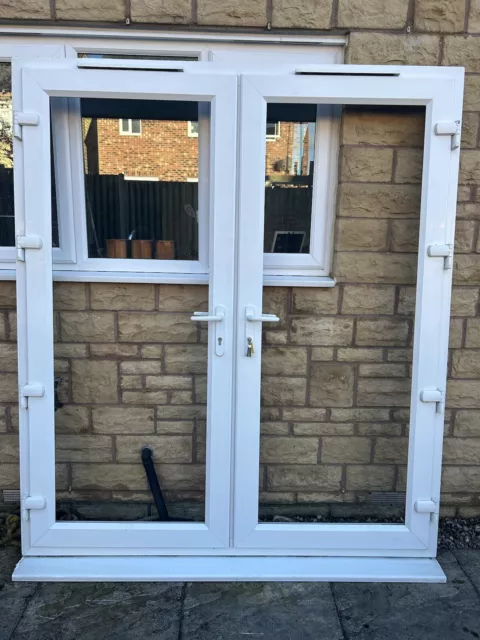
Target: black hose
point(152, 478)
point(57, 382)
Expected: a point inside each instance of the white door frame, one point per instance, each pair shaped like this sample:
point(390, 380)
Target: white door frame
point(38, 82)
point(440, 91)
point(390, 552)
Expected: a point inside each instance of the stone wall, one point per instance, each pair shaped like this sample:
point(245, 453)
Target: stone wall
point(337, 429)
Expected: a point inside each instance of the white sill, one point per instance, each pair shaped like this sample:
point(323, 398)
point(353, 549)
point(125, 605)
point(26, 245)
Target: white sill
point(299, 281)
point(172, 278)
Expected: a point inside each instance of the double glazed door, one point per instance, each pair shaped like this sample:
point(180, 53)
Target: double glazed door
point(263, 405)
point(137, 363)
point(346, 369)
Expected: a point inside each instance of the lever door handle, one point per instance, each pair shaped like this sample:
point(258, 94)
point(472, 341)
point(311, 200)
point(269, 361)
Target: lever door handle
point(250, 330)
point(264, 317)
point(217, 317)
point(202, 316)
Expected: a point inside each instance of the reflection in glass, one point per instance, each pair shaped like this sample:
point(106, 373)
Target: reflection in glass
point(131, 372)
point(289, 167)
point(141, 178)
point(337, 369)
point(7, 212)
point(7, 231)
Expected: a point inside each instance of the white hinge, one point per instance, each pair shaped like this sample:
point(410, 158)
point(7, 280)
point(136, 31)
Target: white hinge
point(32, 503)
point(444, 251)
point(27, 242)
point(449, 129)
point(33, 390)
point(433, 395)
point(426, 506)
point(23, 119)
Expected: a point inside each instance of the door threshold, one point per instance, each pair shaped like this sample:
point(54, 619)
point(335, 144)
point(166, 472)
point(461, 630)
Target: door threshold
point(226, 569)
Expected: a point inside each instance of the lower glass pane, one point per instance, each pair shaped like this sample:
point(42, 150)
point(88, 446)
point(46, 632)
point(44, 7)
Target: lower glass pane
point(131, 372)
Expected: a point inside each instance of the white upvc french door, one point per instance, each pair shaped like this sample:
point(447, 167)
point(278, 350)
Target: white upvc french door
point(440, 92)
point(37, 83)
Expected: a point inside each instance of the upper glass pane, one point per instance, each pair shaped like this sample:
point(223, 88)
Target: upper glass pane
point(289, 167)
point(141, 175)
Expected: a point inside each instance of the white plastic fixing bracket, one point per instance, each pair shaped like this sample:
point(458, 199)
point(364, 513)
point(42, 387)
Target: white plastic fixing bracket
point(27, 242)
point(33, 390)
point(435, 396)
point(23, 119)
point(35, 503)
point(444, 251)
point(425, 506)
point(449, 129)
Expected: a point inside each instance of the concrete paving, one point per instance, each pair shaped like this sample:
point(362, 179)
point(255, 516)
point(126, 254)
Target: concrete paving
point(281, 611)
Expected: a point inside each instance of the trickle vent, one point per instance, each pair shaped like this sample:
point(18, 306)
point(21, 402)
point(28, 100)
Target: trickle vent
point(125, 64)
point(387, 497)
point(11, 496)
point(346, 72)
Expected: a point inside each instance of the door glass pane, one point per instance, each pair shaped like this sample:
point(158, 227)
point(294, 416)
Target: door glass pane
point(141, 179)
point(290, 160)
point(131, 372)
point(7, 215)
point(130, 365)
point(336, 369)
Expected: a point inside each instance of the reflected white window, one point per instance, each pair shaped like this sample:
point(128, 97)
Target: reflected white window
point(130, 127)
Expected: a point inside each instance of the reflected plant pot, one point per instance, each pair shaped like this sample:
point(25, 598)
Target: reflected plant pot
point(116, 248)
point(165, 250)
point(142, 249)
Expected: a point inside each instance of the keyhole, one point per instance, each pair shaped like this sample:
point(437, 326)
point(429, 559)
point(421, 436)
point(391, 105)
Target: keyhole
point(219, 341)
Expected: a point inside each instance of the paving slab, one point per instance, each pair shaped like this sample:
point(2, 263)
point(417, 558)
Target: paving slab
point(469, 560)
point(14, 596)
point(448, 611)
point(280, 610)
point(102, 610)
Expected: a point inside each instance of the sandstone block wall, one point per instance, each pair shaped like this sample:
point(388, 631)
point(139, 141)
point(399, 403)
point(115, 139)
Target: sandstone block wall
point(338, 429)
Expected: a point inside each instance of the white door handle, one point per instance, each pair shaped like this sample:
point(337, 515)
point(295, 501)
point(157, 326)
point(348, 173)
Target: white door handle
point(201, 316)
point(218, 317)
point(264, 317)
point(250, 317)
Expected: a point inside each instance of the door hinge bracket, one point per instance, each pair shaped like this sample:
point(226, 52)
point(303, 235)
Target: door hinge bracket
point(23, 119)
point(444, 251)
point(32, 503)
point(435, 396)
point(452, 128)
point(27, 242)
point(33, 390)
point(426, 506)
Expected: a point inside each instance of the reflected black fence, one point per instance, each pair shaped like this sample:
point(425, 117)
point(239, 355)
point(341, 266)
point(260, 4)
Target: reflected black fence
point(7, 210)
point(143, 210)
point(7, 216)
point(120, 209)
